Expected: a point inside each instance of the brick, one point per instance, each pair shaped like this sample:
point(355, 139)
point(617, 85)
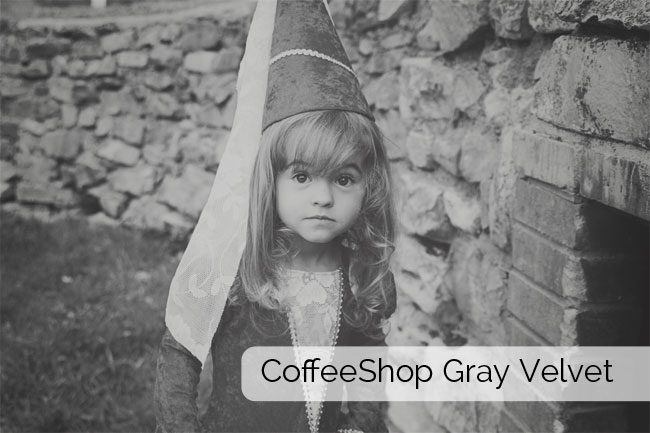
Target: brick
point(629, 14)
point(542, 311)
point(556, 215)
point(618, 179)
point(570, 220)
point(575, 275)
point(541, 260)
point(597, 86)
point(518, 334)
point(539, 416)
point(548, 160)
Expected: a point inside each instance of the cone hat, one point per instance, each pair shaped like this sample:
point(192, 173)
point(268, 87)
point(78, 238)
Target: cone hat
point(309, 69)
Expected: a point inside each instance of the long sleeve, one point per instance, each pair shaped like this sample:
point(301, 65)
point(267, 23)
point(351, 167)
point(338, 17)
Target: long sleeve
point(177, 377)
point(364, 416)
point(368, 416)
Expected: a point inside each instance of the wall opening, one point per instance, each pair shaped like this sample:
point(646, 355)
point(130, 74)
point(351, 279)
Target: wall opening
point(618, 313)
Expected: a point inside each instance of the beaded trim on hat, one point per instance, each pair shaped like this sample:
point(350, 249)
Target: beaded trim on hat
point(312, 53)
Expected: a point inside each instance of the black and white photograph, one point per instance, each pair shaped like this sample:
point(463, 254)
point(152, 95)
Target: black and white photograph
point(348, 216)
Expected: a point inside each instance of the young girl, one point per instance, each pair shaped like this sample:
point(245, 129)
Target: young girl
point(314, 269)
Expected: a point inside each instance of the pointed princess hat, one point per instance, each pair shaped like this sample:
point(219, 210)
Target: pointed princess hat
point(294, 62)
point(309, 69)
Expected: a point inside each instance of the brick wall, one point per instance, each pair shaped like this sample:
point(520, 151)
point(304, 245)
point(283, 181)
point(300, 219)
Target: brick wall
point(580, 237)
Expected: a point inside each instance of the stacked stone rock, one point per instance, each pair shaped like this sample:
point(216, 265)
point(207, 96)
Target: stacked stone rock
point(125, 122)
point(502, 117)
point(448, 94)
point(475, 79)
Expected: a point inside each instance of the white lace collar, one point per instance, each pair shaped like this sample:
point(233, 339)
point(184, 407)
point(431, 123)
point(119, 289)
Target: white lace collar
point(314, 301)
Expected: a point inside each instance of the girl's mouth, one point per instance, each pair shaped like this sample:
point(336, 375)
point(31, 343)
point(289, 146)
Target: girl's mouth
point(320, 217)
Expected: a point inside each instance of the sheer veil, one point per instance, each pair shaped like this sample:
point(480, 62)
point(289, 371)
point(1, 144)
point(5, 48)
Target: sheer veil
point(199, 289)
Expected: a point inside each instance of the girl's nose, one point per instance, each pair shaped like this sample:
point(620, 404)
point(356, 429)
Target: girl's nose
point(321, 193)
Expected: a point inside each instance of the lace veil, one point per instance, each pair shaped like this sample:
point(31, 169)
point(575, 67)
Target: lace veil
point(296, 66)
point(199, 289)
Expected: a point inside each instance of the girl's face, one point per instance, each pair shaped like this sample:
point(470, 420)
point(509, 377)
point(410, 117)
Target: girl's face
point(320, 208)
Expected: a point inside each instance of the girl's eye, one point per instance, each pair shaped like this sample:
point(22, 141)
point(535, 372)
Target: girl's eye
point(345, 180)
point(300, 177)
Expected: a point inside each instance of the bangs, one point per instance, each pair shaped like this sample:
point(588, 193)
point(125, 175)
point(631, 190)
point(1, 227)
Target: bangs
point(324, 141)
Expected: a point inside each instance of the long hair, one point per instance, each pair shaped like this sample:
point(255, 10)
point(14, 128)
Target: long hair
point(323, 140)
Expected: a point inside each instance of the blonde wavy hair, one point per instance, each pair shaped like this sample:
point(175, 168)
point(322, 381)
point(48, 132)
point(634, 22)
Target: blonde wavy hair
point(324, 140)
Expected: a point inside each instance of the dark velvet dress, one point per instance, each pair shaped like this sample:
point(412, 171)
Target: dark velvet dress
point(229, 410)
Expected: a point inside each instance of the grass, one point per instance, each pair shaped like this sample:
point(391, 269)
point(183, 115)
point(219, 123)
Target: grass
point(81, 316)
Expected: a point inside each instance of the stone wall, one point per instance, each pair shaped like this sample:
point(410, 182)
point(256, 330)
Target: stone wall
point(123, 121)
point(582, 203)
point(510, 125)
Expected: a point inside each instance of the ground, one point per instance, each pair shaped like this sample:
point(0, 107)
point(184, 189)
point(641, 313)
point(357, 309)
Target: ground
point(81, 316)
